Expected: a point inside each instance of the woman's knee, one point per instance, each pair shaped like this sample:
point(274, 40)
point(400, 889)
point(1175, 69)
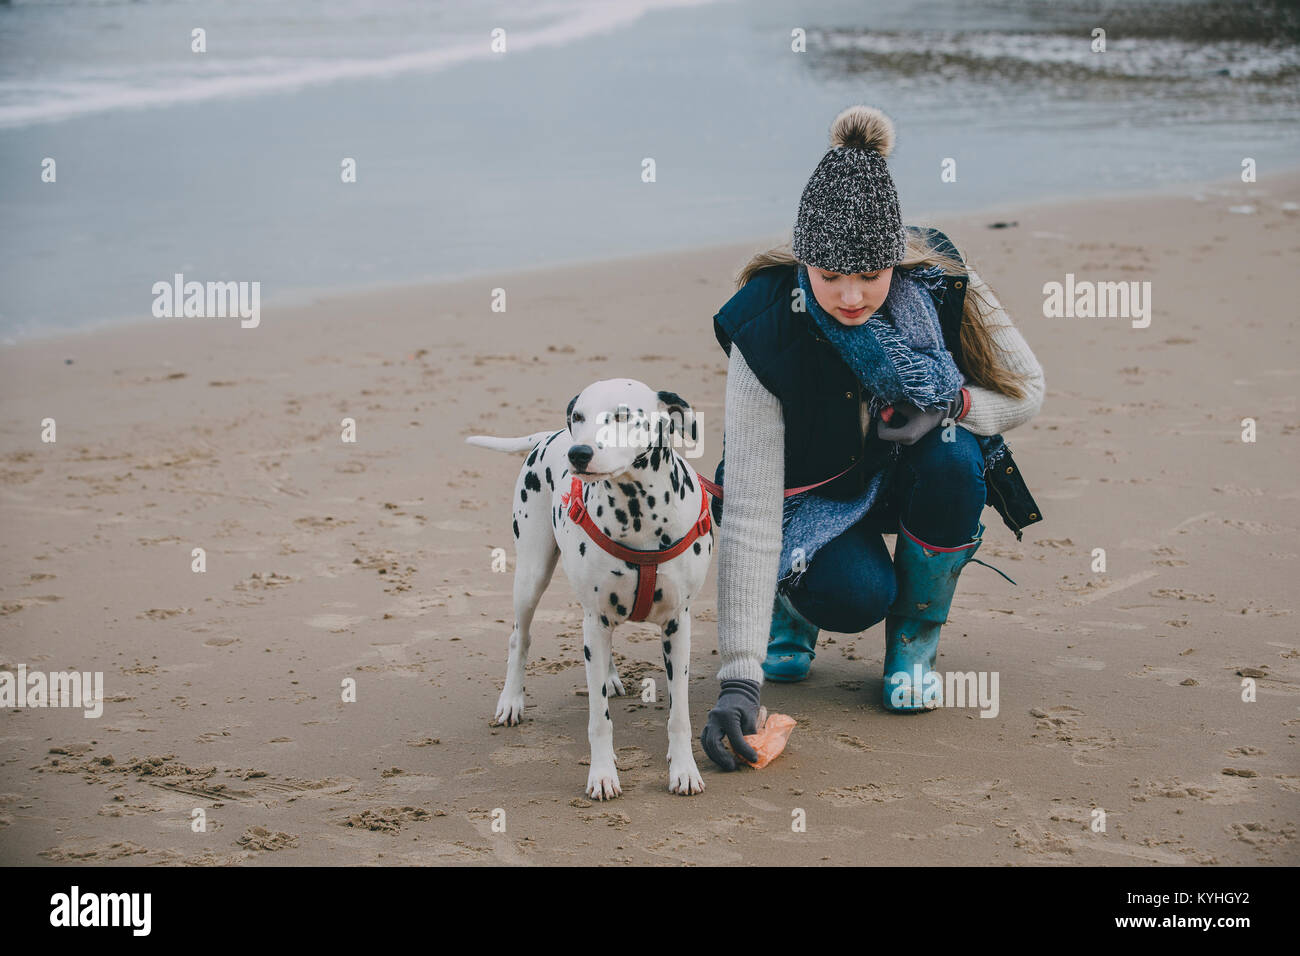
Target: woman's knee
point(956, 461)
point(846, 596)
point(951, 470)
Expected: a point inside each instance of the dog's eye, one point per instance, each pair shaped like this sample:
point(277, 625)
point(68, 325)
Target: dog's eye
point(577, 417)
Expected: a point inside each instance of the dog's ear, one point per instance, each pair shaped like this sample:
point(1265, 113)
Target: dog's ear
point(568, 413)
point(678, 416)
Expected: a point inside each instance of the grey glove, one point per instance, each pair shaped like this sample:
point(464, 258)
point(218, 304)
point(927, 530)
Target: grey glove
point(909, 424)
point(735, 715)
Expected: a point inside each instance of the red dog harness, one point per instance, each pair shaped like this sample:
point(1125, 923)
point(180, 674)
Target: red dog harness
point(645, 561)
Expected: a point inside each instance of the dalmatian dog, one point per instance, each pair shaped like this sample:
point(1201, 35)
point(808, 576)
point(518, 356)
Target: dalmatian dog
point(640, 494)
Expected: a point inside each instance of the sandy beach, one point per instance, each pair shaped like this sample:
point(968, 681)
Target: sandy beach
point(1120, 690)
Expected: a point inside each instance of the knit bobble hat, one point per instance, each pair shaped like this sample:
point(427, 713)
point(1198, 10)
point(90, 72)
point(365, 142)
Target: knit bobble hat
point(849, 221)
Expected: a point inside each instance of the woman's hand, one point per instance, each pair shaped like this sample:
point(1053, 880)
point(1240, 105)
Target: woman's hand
point(735, 715)
point(915, 423)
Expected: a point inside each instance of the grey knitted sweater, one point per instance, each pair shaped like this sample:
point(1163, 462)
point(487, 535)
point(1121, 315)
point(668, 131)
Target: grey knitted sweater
point(749, 541)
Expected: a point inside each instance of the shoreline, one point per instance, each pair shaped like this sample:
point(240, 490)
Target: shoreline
point(293, 302)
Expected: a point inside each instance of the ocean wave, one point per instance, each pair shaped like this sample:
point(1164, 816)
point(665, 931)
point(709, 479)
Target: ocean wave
point(30, 100)
point(1020, 55)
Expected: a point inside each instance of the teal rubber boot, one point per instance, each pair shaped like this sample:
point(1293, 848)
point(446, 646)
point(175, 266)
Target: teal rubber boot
point(791, 642)
point(927, 578)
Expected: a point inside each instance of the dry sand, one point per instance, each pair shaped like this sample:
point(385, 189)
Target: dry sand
point(1119, 690)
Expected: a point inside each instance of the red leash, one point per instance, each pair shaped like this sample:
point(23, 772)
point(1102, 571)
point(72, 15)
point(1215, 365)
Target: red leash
point(716, 489)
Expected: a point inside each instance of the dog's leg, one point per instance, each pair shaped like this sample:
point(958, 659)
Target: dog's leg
point(683, 775)
point(531, 580)
point(598, 650)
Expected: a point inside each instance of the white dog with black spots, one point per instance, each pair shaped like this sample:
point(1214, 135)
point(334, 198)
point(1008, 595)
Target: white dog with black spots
point(642, 494)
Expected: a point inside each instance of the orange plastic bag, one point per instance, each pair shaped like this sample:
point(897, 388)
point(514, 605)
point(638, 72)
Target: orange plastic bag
point(773, 734)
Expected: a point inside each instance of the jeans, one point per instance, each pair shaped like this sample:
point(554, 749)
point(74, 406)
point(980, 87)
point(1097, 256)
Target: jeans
point(938, 491)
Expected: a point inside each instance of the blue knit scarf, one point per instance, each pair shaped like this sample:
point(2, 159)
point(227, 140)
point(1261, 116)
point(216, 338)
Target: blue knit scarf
point(897, 354)
point(898, 358)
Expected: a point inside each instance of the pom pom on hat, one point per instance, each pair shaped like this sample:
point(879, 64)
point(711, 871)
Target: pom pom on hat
point(863, 127)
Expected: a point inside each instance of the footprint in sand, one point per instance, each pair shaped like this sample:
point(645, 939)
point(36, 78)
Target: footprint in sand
point(262, 839)
point(1226, 789)
point(1182, 595)
point(1062, 724)
point(13, 607)
point(1265, 838)
point(163, 613)
point(851, 743)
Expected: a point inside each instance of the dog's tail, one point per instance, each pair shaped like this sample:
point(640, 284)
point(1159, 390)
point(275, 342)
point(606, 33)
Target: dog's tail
point(525, 443)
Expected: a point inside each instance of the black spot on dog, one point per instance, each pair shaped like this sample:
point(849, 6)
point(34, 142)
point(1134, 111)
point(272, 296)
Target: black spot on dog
point(515, 525)
point(634, 507)
point(668, 648)
point(651, 502)
point(636, 524)
point(603, 691)
point(673, 478)
point(616, 571)
point(582, 548)
point(531, 458)
point(664, 541)
point(696, 547)
point(523, 494)
point(659, 594)
point(620, 515)
point(603, 620)
point(627, 489)
point(654, 458)
point(686, 480)
point(668, 666)
point(671, 627)
point(613, 599)
point(548, 478)
point(622, 611)
point(600, 509)
point(586, 652)
point(607, 713)
point(532, 482)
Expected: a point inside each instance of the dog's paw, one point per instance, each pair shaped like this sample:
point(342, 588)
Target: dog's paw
point(602, 782)
point(510, 709)
point(613, 685)
point(684, 777)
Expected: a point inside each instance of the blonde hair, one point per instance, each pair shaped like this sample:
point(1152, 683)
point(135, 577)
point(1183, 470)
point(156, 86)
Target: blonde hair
point(980, 354)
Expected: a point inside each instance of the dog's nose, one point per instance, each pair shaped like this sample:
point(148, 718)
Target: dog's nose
point(580, 456)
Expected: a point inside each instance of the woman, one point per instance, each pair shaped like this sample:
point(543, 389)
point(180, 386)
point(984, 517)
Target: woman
point(868, 364)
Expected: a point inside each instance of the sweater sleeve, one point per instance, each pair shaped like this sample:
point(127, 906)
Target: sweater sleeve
point(992, 412)
point(749, 544)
